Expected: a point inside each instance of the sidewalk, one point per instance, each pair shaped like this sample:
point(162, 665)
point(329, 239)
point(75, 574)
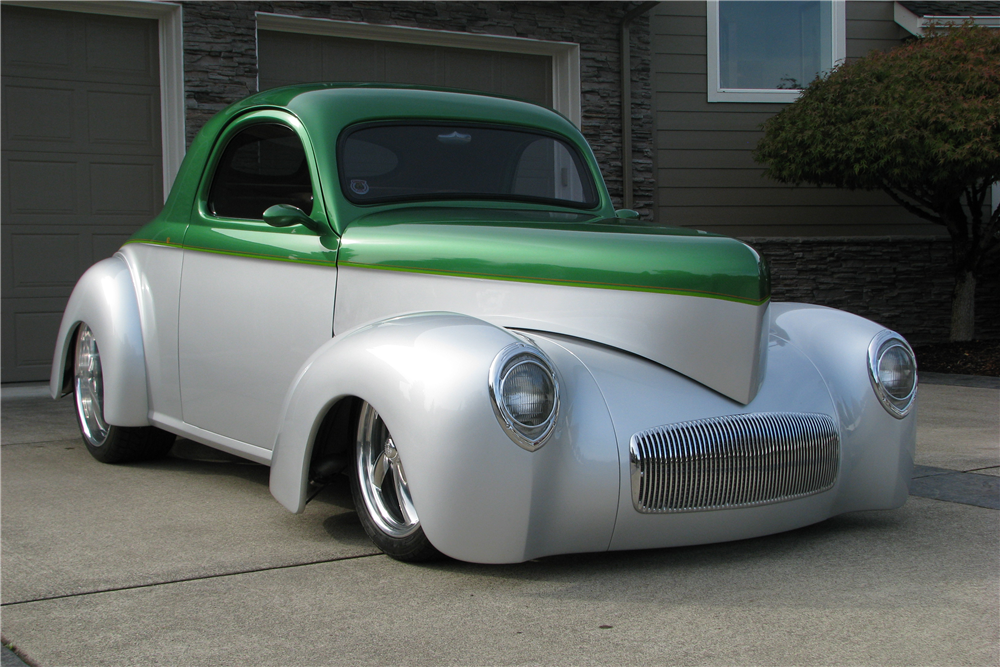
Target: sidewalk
point(189, 561)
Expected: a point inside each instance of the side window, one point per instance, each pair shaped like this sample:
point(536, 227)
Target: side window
point(262, 166)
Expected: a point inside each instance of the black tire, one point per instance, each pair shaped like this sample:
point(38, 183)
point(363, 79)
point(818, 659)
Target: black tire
point(107, 443)
point(381, 493)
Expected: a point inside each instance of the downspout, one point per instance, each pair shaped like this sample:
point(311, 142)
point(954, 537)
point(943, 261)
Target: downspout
point(626, 77)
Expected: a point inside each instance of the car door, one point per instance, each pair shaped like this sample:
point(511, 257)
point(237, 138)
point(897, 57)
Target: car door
point(256, 300)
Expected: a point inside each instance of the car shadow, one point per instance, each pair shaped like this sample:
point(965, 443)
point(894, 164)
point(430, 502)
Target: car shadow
point(194, 458)
point(810, 542)
point(189, 457)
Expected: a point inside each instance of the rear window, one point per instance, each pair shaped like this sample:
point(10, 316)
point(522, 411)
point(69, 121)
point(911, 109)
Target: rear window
point(385, 163)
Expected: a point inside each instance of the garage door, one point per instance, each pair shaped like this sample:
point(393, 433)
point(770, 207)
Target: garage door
point(285, 58)
point(82, 166)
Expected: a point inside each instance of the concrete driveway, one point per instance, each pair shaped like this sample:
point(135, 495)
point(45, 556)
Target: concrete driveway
point(189, 561)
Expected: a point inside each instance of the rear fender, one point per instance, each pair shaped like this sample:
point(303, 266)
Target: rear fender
point(104, 298)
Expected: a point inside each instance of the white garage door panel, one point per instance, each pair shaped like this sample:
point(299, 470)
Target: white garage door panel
point(81, 165)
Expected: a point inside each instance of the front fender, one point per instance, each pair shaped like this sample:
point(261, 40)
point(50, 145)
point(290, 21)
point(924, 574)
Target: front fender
point(836, 342)
point(480, 497)
point(104, 298)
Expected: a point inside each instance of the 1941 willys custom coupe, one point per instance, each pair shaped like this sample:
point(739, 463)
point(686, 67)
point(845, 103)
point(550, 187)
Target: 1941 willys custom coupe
point(431, 292)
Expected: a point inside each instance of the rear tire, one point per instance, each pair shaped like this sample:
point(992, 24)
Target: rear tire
point(107, 443)
point(382, 495)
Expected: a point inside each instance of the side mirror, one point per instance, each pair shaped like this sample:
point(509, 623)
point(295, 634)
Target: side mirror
point(286, 215)
point(627, 214)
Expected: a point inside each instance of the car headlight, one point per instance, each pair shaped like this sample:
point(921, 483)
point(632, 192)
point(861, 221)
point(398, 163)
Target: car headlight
point(525, 394)
point(893, 370)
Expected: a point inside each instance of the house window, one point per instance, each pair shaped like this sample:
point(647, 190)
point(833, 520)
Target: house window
point(769, 51)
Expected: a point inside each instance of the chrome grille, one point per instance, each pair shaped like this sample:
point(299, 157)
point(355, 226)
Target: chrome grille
point(733, 461)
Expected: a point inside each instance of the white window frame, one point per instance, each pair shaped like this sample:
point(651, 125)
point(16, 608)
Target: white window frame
point(719, 94)
point(171, 46)
point(565, 55)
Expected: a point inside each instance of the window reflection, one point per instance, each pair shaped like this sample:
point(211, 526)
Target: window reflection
point(773, 45)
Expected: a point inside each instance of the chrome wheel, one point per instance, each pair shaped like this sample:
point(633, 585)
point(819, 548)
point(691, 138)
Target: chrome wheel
point(105, 442)
point(381, 478)
point(89, 386)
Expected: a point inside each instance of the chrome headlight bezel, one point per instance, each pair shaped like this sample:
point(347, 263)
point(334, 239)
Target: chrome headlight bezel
point(881, 344)
point(514, 355)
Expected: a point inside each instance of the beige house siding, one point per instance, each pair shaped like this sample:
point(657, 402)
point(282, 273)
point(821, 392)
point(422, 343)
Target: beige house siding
point(707, 177)
point(870, 26)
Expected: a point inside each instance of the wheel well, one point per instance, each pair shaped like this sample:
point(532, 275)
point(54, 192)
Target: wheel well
point(69, 367)
point(334, 444)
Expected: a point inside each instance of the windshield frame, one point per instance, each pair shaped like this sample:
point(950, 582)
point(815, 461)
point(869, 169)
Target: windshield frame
point(592, 192)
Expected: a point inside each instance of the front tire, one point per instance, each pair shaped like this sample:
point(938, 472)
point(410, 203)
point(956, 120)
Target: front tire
point(107, 443)
point(382, 494)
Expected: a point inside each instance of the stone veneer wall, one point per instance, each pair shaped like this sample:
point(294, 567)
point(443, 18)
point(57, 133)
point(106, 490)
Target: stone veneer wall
point(220, 60)
point(904, 283)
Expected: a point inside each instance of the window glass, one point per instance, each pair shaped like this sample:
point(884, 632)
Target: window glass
point(773, 45)
point(546, 170)
point(383, 163)
point(262, 166)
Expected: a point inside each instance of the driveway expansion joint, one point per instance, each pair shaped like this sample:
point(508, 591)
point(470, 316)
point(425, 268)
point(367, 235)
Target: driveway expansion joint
point(185, 580)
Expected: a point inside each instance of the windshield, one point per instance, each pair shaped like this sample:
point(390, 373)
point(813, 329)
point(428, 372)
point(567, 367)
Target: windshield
point(384, 163)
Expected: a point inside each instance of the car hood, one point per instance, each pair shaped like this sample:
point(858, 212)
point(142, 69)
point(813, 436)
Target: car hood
point(688, 300)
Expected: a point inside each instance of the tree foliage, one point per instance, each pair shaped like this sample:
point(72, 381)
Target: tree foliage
point(921, 122)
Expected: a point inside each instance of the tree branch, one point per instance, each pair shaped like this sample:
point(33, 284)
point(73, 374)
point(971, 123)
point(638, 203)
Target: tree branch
point(913, 208)
point(921, 196)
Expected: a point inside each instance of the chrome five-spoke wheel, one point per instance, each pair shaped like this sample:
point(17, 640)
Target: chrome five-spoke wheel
point(382, 493)
point(89, 389)
point(107, 443)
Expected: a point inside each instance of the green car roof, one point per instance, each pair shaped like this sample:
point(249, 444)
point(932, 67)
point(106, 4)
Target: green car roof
point(326, 109)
